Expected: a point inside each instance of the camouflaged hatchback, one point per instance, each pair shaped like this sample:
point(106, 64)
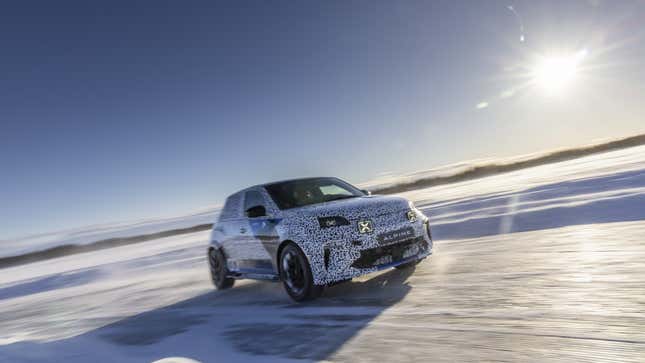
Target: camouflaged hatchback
point(309, 233)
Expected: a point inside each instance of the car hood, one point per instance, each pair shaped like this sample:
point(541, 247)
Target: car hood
point(353, 208)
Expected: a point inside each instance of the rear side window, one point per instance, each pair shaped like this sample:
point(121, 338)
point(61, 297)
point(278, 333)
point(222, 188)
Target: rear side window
point(231, 208)
point(253, 198)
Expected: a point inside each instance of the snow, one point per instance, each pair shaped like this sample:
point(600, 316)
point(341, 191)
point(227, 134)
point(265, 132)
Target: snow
point(388, 179)
point(541, 264)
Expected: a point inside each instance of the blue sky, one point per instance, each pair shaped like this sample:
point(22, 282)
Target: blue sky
point(128, 109)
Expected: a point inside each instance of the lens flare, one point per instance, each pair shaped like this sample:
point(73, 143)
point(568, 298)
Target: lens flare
point(555, 73)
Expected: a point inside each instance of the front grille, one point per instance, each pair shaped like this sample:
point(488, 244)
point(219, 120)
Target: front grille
point(396, 252)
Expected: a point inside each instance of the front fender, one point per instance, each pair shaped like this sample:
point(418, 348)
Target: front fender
point(307, 236)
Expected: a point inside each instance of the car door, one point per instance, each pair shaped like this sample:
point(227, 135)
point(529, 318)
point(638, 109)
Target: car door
point(257, 234)
point(229, 229)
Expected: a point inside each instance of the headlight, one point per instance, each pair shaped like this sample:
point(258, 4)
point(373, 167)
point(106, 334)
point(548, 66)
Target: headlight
point(411, 215)
point(328, 222)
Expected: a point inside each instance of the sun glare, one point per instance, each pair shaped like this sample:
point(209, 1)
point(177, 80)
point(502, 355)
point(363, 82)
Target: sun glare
point(555, 73)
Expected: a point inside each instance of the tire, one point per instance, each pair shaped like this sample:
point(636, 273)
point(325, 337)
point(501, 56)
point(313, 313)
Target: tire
point(296, 275)
point(217, 264)
point(405, 266)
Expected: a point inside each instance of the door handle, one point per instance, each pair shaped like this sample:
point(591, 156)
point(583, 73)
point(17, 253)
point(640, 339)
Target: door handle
point(242, 230)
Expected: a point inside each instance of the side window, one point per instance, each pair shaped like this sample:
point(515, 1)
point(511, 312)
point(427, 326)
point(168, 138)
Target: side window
point(253, 198)
point(333, 189)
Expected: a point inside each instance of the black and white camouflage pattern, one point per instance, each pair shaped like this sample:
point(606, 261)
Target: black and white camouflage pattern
point(257, 251)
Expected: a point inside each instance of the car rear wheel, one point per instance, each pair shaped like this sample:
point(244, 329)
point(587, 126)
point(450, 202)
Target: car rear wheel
point(217, 263)
point(296, 275)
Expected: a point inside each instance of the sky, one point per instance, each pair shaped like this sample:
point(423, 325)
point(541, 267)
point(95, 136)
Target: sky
point(120, 110)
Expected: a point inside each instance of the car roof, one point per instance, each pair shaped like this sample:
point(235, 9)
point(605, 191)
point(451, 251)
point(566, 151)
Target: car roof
point(284, 181)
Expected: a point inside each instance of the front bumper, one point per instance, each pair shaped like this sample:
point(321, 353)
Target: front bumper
point(391, 254)
point(344, 260)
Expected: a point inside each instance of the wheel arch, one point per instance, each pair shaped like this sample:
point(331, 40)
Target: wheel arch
point(216, 246)
point(282, 245)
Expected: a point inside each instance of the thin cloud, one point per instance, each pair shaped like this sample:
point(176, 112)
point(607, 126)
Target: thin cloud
point(482, 105)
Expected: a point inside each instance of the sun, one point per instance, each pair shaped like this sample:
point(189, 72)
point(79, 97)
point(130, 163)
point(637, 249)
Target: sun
point(556, 72)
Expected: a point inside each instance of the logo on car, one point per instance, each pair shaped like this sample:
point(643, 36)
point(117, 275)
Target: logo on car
point(365, 226)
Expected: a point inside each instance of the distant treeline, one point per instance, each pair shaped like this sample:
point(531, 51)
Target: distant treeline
point(64, 250)
point(472, 173)
point(480, 171)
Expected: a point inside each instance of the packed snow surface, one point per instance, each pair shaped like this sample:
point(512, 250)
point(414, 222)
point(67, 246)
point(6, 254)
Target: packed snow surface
point(541, 264)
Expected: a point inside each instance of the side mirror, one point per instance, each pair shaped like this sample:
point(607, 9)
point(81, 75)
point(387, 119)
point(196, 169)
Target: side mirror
point(257, 211)
point(367, 192)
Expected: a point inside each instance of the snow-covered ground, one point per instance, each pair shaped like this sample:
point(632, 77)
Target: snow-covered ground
point(541, 264)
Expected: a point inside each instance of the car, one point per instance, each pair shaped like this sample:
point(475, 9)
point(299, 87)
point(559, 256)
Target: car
point(314, 232)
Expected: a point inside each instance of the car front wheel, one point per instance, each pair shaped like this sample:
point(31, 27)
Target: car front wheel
point(296, 275)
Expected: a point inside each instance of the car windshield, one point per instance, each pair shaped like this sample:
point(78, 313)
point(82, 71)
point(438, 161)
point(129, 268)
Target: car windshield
point(299, 193)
